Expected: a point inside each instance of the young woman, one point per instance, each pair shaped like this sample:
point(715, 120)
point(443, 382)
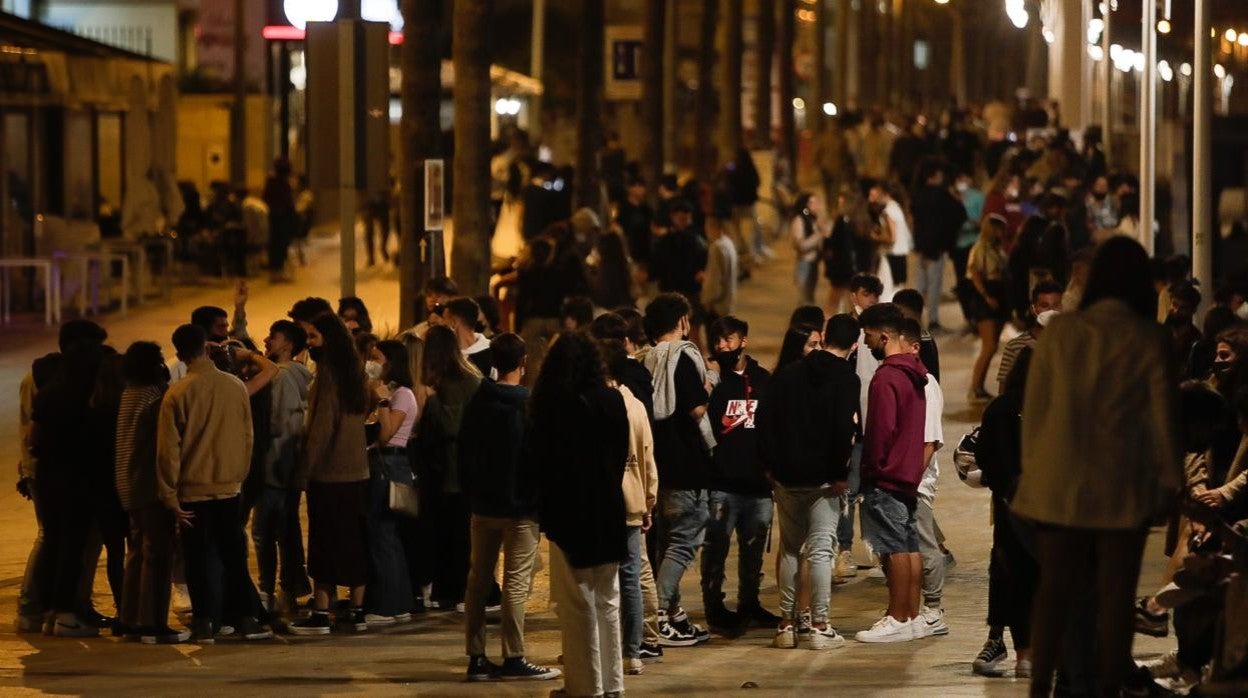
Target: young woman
point(807, 231)
point(799, 340)
point(451, 381)
point(610, 274)
point(389, 597)
point(986, 269)
point(839, 258)
point(579, 435)
point(353, 312)
point(335, 474)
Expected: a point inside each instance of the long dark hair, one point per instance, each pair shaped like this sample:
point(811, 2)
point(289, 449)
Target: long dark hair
point(398, 365)
point(1121, 270)
point(572, 367)
point(341, 362)
point(794, 341)
point(614, 276)
point(442, 359)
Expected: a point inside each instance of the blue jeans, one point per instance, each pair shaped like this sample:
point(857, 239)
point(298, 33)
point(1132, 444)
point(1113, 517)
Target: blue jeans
point(806, 276)
point(389, 591)
point(276, 533)
point(632, 611)
point(750, 518)
point(931, 273)
point(684, 523)
point(845, 527)
point(808, 517)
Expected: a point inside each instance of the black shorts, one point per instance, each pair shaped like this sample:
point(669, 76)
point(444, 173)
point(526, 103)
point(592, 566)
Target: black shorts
point(897, 265)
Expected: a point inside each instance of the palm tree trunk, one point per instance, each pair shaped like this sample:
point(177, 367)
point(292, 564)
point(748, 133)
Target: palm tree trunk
point(735, 46)
point(819, 86)
point(420, 135)
point(704, 100)
point(788, 126)
point(766, 57)
point(652, 95)
point(589, 105)
point(470, 51)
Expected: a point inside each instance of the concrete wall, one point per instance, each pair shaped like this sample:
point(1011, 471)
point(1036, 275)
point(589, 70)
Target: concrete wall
point(204, 139)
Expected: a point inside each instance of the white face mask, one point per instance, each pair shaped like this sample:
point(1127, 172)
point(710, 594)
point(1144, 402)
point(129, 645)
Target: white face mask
point(962, 186)
point(372, 369)
point(1043, 319)
point(1242, 311)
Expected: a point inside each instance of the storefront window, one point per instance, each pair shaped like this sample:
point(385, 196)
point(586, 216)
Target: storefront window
point(18, 211)
point(108, 159)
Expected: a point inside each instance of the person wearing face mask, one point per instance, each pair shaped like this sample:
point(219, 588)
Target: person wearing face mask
point(1184, 300)
point(740, 497)
point(682, 443)
point(972, 199)
point(1046, 303)
point(1102, 206)
point(1204, 354)
point(388, 599)
point(938, 216)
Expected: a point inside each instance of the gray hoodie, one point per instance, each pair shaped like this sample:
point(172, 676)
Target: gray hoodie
point(290, 402)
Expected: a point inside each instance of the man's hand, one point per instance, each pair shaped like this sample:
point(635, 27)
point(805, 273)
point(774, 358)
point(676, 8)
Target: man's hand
point(647, 522)
point(185, 518)
point(240, 294)
point(836, 488)
point(1212, 498)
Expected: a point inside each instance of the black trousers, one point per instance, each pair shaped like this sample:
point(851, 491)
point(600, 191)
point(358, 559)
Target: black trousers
point(66, 522)
point(452, 547)
point(1013, 574)
point(215, 551)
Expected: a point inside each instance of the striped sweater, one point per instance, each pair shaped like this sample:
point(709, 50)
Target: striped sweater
point(135, 464)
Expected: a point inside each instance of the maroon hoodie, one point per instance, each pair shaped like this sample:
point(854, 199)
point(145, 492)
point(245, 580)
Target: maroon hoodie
point(892, 452)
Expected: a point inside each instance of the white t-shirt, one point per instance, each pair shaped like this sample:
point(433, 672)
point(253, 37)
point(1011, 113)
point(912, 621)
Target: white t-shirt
point(865, 367)
point(903, 240)
point(403, 400)
point(932, 432)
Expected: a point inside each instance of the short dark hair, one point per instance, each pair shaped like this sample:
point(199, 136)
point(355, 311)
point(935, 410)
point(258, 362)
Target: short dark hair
point(489, 308)
point(508, 351)
point(465, 309)
point(1040, 289)
point(442, 286)
point(293, 333)
point(681, 205)
point(206, 315)
point(663, 314)
point(1185, 292)
point(807, 315)
point(728, 325)
point(867, 282)
point(910, 299)
point(609, 326)
point(143, 365)
point(80, 333)
point(636, 325)
point(841, 331)
point(190, 341)
point(308, 308)
point(910, 330)
point(362, 318)
point(884, 316)
point(579, 308)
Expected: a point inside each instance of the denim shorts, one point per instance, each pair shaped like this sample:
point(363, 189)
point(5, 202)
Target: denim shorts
point(888, 522)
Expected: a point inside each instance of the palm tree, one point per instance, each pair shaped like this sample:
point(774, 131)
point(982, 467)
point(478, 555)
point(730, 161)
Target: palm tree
point(788, 127)
point(766, 57)
point(652, 94)
point(704, 100)
point(735, 46)
point(420, 136)
point(589, 105)
point(470, 52)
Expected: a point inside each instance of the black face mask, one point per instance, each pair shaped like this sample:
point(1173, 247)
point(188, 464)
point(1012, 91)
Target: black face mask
point(727, 360)
point(878, 351)
point(1099, 196)
point(1220, 367)
point(316, 353)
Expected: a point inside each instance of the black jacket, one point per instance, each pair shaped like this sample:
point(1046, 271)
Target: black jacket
point(938, 217)
point(581, 453)
point(736, 466)
point(999, 452)
point(808, 421)
point(493, 470)
point(633, 374)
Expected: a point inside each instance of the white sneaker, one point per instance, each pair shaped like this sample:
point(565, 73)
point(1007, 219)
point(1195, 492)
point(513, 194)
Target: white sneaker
point(876, 572)
point(786, 638)
point(887, 629)
point(1164, 667)
point(377, 620)
point(929, 622)
point(845, 565)
point(825, 638)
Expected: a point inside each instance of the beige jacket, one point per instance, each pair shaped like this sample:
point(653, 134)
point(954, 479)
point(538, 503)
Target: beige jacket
point(1236, 485)
point(1101, 448)
point(204, 438)
point(641, 476)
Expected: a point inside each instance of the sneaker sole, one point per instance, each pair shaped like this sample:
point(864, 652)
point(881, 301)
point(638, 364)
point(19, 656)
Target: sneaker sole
point(265, 635)
point(828, 644)
point(308, 631)
point(664, 642)
point(885, 640)
point(784, 644)
point(992, 671)
point(482, 678)
point(931, 631)
point(548, 676)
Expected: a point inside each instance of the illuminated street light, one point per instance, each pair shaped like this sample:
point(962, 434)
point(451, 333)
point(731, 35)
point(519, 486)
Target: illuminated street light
point(1163, 26)
point(1231, 36)
point(1165, 71)
point(1017, 12)
point(830, 108)
point(1243, 39)
point(1096, 25)
point(1096, 53)
point(1219, 71)
point(799, 103)
point(1186, 69)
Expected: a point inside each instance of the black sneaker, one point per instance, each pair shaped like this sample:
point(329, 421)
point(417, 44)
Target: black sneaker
point(249, 628)
point(202, 632)
point(650, 653)
point(317, 623)
point(358, 620)
point(481, 668)
point(520, 669)
point(1149, 623)
point(723, 621)
point(680, 620)
point(163, 636)
point(757, 615)
point(991, 659)
point(672, 636)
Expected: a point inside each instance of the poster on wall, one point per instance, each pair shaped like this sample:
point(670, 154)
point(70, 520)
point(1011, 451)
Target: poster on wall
point(434, 195)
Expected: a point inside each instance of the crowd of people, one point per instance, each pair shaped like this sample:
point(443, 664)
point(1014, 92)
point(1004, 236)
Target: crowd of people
point(604, 395)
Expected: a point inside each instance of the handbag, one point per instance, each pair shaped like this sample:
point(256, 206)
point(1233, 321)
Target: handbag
point(404, 499)
point(964, 460)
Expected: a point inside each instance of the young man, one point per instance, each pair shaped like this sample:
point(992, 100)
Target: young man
point(682, 441)
point(719, 284)
point(864, 292)
point(464, 316)
point(911, 304)
point(1046, 301)
point(931, 618)
point(502, 499)
point(275, 528)
point(576, 313)
point(903, 242)
point(892, 467)
point(203, 452)
point(740, 497)
point(439, 290)
point(807, 427)
point(937, 215)
point(679, 261)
